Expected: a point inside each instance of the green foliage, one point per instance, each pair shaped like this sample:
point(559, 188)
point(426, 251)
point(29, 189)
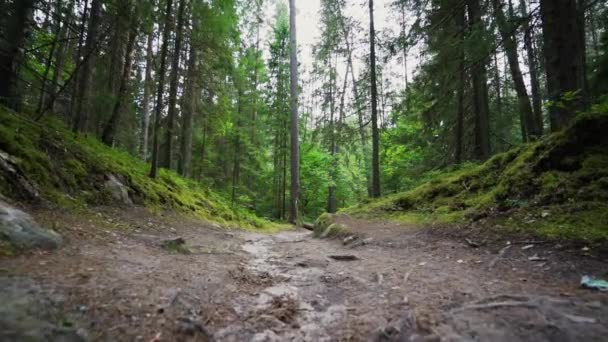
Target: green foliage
point(555, 187)
point(70, 170)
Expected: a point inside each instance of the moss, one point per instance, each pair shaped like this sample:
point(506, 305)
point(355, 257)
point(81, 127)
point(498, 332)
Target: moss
point(552, 174)
point(7, 249)
point(70, 171)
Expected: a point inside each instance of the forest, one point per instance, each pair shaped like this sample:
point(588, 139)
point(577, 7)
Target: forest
point(350, 118)
point(205, 88)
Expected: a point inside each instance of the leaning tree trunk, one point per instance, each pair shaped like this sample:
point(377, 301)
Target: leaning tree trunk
point(564, 60)
point(173, 83)
point(161, 87)
point(374, 95)
point(14, 37)
point(295, 136)
point(111, 127)
point(525, 108)
point(537, 102)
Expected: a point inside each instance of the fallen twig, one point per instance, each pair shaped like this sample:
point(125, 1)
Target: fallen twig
point(500, 255)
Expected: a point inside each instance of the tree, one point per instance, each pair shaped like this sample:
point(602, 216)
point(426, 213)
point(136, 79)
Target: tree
point(161, 87)
point(16, 29)
point(564, 60)
point(148, 85)
point(169, 133)
point(111, 126)
point(295, 139)
point(480, 86)
point(531, 130)
point(83, 106)
point(374, 99)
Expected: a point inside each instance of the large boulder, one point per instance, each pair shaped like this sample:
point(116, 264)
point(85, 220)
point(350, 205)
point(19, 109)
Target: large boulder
point(117, 190)
point(22, 232)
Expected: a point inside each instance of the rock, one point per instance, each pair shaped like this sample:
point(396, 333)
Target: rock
point(117, 190)
point(23, 232)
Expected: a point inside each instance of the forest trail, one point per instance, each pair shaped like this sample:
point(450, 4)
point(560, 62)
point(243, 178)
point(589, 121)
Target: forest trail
point(404, 284)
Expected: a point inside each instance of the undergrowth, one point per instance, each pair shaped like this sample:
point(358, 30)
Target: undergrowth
point(555, 187)
point(69, 170)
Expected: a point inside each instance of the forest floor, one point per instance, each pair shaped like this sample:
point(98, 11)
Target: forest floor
point(114, 282)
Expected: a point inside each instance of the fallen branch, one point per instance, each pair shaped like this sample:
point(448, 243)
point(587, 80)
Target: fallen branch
point(528, 304)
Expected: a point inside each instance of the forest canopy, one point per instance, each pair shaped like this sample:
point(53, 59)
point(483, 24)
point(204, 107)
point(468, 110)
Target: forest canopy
point(212, 90)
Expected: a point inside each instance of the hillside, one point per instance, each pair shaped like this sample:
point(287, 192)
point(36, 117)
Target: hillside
point(45, 164)
point(555, 187)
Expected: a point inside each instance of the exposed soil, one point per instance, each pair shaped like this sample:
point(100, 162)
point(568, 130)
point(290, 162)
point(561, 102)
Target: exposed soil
point(114, 281)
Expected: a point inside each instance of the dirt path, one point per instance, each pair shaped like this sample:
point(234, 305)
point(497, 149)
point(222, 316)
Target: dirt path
point(406, 284)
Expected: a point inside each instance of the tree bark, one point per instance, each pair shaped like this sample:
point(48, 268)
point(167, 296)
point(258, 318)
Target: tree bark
point(185, 160)
point(148, 84)
point(480, 89)
point(525, 108)
point(460, 22)
point(533, 68)
point(374, 95)
point(294, 215)
point(111, 127)
point(161, 87)
point(83, 106)
point(11, 51)
point(173, 83)
point(564, 60)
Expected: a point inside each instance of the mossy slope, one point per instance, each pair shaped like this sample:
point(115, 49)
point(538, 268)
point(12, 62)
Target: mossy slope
point(69, 170)
point(555, 187)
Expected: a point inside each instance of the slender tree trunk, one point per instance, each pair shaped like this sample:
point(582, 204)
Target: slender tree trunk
point(111, 127)
point(173, 84)
point(49, 61)
point(564, 60)
point(83, 107)
point(77, 56)
point(532, 66)
point(65, 39)
point(188, 112)
point(11, 51)
point(148, 84)
point(480, 90)
point(374, 94)
point(460, 21)
point(161, 87)
point(295, 137)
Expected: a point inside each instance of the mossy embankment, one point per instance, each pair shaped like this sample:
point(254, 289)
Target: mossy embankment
point(556, 187)
point(69, 171)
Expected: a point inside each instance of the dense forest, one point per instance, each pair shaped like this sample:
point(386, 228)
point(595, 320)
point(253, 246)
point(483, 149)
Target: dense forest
point(313, 170)
point(211, 89)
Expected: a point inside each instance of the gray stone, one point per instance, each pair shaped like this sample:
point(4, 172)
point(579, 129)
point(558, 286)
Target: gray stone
point(117, 190)
point(23, 232)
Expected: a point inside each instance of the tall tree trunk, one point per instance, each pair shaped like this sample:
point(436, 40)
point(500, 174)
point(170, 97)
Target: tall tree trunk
point(188, 113)
point(49, 61)
point(564, 60)
point(173, 83)
point(148, 84)
point(374, 94)
point(111, 127)
point(532, 66)
point(15, 34)
point(161, 87)
point(83, 106)
point(295, 136)
point(65, 38)
point(77, 56)
point(460, 22)
point(480, 89)
point(525, 108)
